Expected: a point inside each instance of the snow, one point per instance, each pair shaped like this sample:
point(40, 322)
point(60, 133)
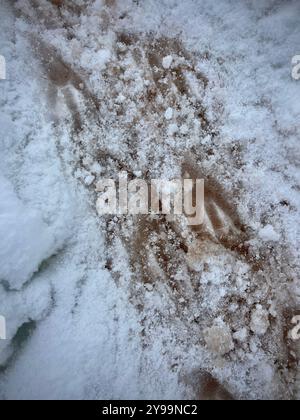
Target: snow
point(149, 287)
point(268, 234)
point(259, 321)
point(100, 307)
point(241, 335)
point(219, 339)
point(89, 179)
point(167, 62)
point(172, 129)
point(2, 328)
point(25, 240)
point(169, 114)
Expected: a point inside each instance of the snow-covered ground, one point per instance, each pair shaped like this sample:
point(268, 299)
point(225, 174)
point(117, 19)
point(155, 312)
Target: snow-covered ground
point(136, 306)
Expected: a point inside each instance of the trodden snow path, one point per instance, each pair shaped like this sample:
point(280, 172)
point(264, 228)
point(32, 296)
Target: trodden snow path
point(146, 307)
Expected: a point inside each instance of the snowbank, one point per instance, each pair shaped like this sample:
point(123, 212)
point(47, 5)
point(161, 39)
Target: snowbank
point(25, 240)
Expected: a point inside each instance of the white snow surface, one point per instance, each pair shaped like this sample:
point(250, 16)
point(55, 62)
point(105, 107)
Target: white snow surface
point(25, 240)
point(77, 326)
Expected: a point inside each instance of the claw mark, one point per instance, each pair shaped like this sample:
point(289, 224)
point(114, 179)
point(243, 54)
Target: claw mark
point(65, 82)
